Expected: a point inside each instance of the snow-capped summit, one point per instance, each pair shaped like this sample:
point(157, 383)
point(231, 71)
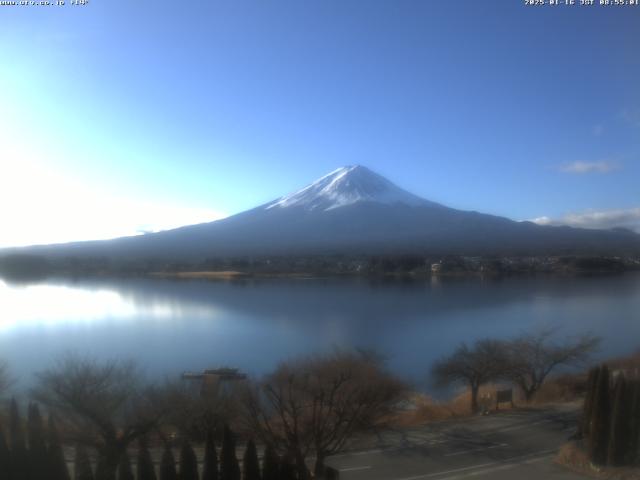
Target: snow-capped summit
point(346, 186)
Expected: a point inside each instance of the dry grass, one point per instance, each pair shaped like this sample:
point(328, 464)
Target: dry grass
point(574, 458)
point(630, 365)
point(570, 455)
point(571, 387)
point(425, 409)
point(562, 389)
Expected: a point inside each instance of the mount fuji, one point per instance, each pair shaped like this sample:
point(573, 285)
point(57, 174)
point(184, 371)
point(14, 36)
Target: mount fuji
point(352, 210)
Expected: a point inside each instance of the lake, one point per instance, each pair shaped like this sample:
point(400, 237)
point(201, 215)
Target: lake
point(171, 326)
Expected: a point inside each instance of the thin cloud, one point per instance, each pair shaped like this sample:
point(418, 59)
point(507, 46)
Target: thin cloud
point(599, 219)
point(580, 167)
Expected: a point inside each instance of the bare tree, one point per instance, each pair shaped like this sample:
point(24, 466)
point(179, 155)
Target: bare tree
point(103, 405)
point(315, 405)
point(472, 366)
point(196, 413)
point(533, 356)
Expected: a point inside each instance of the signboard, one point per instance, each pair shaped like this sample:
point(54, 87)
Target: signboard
point(503, 396)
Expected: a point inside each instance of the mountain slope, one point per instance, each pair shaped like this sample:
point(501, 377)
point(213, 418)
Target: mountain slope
point(354, 210)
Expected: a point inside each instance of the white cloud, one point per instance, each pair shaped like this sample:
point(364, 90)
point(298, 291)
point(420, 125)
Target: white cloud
point(542, 220)
point(620, 218)
point(580, 167)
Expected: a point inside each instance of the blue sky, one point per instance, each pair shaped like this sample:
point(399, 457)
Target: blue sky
point(118, 117)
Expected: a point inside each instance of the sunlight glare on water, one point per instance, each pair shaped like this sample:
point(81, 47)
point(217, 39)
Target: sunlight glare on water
point(52, 304)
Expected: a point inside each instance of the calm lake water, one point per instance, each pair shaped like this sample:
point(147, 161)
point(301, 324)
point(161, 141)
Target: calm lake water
point(171, 326)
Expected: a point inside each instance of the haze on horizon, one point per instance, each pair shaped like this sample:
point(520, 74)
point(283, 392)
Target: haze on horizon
point(120, 118)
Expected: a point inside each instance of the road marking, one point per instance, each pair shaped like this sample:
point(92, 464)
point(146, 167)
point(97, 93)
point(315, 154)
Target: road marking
point(365, 452)
point(424, 444)
point(353, 469)
point(518, 427)
point(428, 475)
point(501, 465)
point(474, 450)
point(497, 469)
point(388, 449)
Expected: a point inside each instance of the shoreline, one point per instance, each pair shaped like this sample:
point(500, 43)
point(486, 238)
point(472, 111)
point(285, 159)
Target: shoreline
point(237, 275)
point(226, 275)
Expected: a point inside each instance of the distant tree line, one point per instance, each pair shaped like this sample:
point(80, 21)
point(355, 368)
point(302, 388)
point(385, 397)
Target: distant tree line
point(26, 266)
point(610, 423)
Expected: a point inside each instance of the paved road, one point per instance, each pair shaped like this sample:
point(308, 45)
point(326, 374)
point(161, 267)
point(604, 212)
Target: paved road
point(508, 445)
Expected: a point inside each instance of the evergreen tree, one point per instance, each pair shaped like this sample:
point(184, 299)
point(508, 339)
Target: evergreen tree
point(588, 401)
point(287, 469)
point(210, 467)
point(145, 468)
point(250, 464)
point(600, 417)
point(57, 463)
point(270, 464)
point(37, 444)
point(82, 464)
point(188, 462)
point(19, 455)
point(229, 467)
point(5, 457)
point(168, 465)
point(633, 454)
point(619, 431)
point(125, 472)
point(16, 439)
point(103, 472)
